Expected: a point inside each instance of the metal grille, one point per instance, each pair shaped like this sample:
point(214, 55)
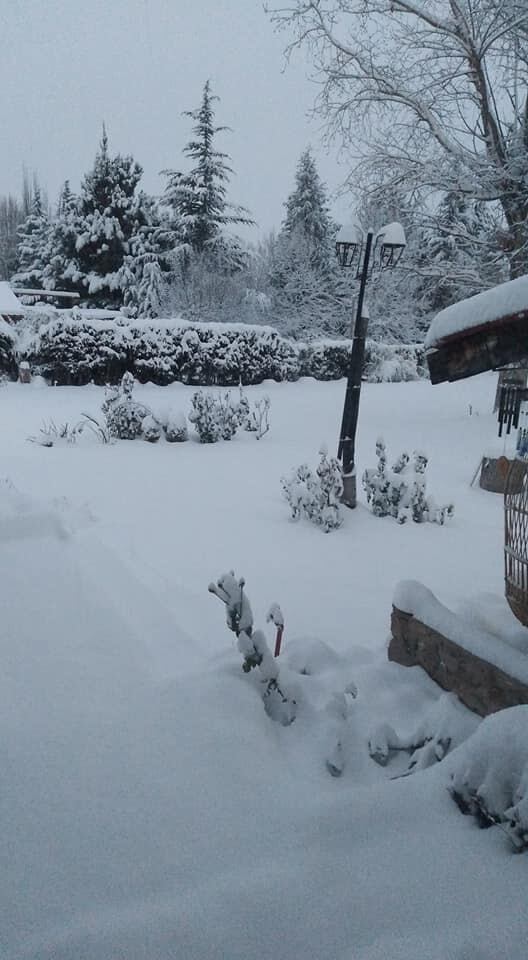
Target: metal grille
point(516, 539)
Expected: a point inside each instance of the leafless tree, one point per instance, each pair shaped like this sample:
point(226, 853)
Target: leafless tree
point(433, 93)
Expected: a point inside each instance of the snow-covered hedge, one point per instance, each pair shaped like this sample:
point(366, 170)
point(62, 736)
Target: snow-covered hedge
point(75, 347)
point(7, 347)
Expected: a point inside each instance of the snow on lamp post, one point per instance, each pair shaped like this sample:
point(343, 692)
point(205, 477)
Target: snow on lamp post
point(355, 248)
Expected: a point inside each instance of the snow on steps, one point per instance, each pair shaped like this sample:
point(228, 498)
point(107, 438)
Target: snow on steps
point(485, 671)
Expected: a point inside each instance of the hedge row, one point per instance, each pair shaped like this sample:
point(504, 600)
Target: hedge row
point(76, 347)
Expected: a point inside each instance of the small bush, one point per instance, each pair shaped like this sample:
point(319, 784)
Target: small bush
point(151, 429)
point(124, 416)
point(175, 427)
point(400, 491)
point(316, 495)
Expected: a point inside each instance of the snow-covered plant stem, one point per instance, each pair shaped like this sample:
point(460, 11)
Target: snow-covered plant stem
point(276, 617)
point(253, 646)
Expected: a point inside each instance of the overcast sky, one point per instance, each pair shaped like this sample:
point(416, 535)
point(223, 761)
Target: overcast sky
point(67, 65)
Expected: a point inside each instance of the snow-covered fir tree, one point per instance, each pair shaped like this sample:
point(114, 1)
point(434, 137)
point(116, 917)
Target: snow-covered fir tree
point(62, 271)
point(142, 276)
point(308, 216)
point(33, 244)
point(309, 295)
point(112, 211)
point(197, 199)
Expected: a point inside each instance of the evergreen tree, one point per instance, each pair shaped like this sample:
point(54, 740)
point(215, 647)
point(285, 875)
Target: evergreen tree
point(198, 199)
point(142, 276)
point(62, 271)
point(461, 251)
point(310, 294)
point(307, 214)
point(33, 240)
point(111, 213)
point(11, 218)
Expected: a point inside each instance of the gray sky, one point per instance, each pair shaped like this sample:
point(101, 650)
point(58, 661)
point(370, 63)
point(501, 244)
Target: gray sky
point(67, 65)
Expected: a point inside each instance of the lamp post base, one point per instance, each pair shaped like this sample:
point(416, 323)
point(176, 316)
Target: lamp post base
point(349, 495)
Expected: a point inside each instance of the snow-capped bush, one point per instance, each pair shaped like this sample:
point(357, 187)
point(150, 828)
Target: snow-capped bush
point(78, 346)
point(175, 427)
point(445, 726)
point(151, 429)
point(400, 491)
point(253, 646)
point(124, 415)
point(490, 774)
point(228, 416)
point(256, 419)
point(316, 495)
point(205, 416)
point(215, 417)
point(8, 365)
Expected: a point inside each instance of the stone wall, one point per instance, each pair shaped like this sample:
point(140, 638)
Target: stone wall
point(480, 685)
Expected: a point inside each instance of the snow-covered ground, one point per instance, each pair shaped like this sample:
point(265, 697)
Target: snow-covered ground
point(150, 808)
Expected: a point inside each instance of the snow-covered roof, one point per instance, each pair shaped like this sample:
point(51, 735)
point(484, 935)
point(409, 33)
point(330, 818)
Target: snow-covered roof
point(501, 302)
point(9, 304)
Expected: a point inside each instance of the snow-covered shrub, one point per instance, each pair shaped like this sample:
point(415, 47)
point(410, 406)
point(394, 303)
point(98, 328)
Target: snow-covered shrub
point(490, 774)
point(228, 416)
point(254, 419)
point(204, 416)
point(257, 419)
point(175, 427)
point(445, 726)
point(8, 365)
point(69, 347)
point(253, 646)
point(330, 360)
point(316, 495)
point(151, 429)
point(124, 415)
point(325, 359)
point(394, 363)
point(400, 491)
point(78, 346)
point(214, 417)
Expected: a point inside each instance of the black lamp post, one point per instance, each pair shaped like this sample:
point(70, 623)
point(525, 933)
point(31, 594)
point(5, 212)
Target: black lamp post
point(356, 249)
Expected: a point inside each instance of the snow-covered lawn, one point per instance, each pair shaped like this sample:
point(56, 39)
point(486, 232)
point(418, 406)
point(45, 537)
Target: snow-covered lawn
point(150, 808)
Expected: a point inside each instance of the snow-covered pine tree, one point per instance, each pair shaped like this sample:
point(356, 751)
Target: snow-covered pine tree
point(198, 199)
point(308, 216)
point(62, 271)
point(11, 218)
point(309, 294)
point(142, 276)
point(33, 242)
point(112, 211)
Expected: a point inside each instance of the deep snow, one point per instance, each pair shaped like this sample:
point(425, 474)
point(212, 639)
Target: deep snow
point(150, 808)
